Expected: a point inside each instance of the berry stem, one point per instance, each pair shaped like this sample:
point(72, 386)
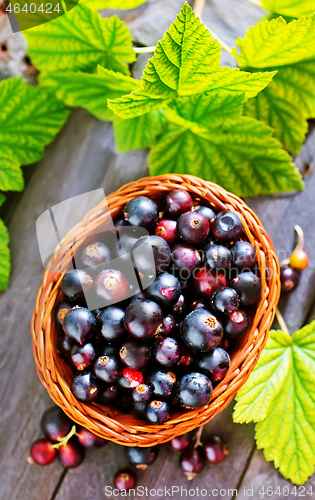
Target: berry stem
point(197, 437)
point(144, 50)
point(198, 7)
point(281, 322)
point(63, 441)
point(299, 245)
point(257, 3)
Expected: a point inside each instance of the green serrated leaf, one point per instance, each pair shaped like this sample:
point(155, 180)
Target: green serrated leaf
point(81, 41)
point(290, 8)
point(89, 91)
point(280, 396)
point(4, 257)
point(112, 4)
point(289, 99)
point(29, 120)
point(11, 176)
point(208, 137)
point(138, 132)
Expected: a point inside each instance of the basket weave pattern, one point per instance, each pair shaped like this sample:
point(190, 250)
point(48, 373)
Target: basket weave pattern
point(55, 374)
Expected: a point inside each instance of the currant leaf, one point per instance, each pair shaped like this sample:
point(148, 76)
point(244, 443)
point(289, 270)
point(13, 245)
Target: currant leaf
point(5, 265)
point(290, 8)
point(138, 132)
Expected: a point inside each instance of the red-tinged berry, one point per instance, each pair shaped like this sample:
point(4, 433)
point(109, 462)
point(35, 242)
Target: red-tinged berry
point(125, 479)
point(142, 393)
point(167, 352)
point(216, 450)
point(236, 324)
point(85, 387)
point(157, 412)
point(107, 368)
point(141, 458)
point(42, 452)
point(61, 310)
point(143, 319)
point(180, 443)
point(185, 258)
point(79, 324)
point(95, 254)
point(196, 304)
point(248, 287)
point(178, 202)
point(244, 255)
point(167, 229)
point(214, 364)
point(224, 301)
point(151, 254)
point(186, 358)
point(83, 356)
point(135, 377)
point(194, 390)
point(112, 286)
point(193, 227)
point(55, 424)
point(206, 281)
point(201, 330)
point(75, 284)
point(192, 461)
point(226, 227)
point(299, 260)
point(165, 290)
point(135, 354)
point(289, 279)
point(141, 212)
point(170, 327)
point(71, 455)
point(88, 439)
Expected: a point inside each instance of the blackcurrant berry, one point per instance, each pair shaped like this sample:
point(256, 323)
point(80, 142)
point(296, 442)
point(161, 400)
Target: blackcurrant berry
point(244, 255)
point(180, 443)
point(178, 202)
point(165, 290)
point(141, 457)
point(196, 304)
point(167, 352)
point(138, 408)
point(167, 229)
point(142, 393)
point(248, 287)
point(64, 344)
point(61, 310)
point(112, 286)
point(186, 358)
point(225, 300)
point(88, 439)
point(85, 387)
point(205, 282)
point(79, 324)
point(192, 461)
point(125, 479)
point(42, 452)
point(163, 383)
point(201, 330)
point(75, 284)
point(289, 279)
point(193, 227)
point(207, 212)
point(226, 227)
point(214, 364)
point(55, 424)
point(143, 250)
point(141, 212)
point(135, 354)
point(218, 257)
point(236, 324)
point(71, 455)
point(185, 258)
point(95, 254)
point(83, 356)
point(143, 319)
point(179, 308)
point(170, 327)
point(111, 320)
point(108, 394)
point(157, 412)
point(216, 450)
point(194, 390)
point(107, 368)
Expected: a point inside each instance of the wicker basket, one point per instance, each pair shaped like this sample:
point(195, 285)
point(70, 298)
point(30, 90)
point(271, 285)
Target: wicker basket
point(55, 374)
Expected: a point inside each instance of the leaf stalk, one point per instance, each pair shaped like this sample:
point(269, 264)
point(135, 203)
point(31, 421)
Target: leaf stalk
point(281, 322)
point(144, 50)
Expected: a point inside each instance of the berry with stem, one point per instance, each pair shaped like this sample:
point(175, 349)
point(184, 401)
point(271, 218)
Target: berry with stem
point(55, 424)
point(192, 461)
point(141, 458)
point(71, 455)
point(216, 450)
point(289, 278)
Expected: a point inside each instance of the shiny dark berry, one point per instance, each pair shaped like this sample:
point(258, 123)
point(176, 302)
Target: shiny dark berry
point(133, 376)
point(225, 300)
point(244, 255)
point(141, 457)
point(71, 455)
point(218, 257)
point(214, 364)
point(61, 310)
point(163, 383)
point(194, 390)
point(192, 461)
point(206, 281)
point(138, 408)
point(185, 258)
point(141, 212)
point(201, 330)
point(111, 322)
point(236, 324)
point(180, 443)
point(85, 387)
point(135, 354)
point(289, 279)
point(64, 344)
point(170, 327)
point(125, 479)
point(107, 368)
point(42, 452)
point(83, 356)
point(151, 254)
point(95, 254)
point(216, 450)
point(55, 424)
point(157, 412)
point(123, 384)
point(193, 227)
point(179, 308)
point(167, 352)
point(75, 284)
point(143, 319)
point(167, 229)
point(142, 393)
point(79, 324)
point(186, 358)
point(248, 287)
point(112, 286)
point(207, 212)
point(108, 394)
point(90, 440)
point(226, 227)
point(178, 202)
point(165, 290)
point(127, 238)
point(196, 304)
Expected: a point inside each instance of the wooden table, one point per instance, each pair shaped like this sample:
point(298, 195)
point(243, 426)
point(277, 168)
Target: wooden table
point(81, 159)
